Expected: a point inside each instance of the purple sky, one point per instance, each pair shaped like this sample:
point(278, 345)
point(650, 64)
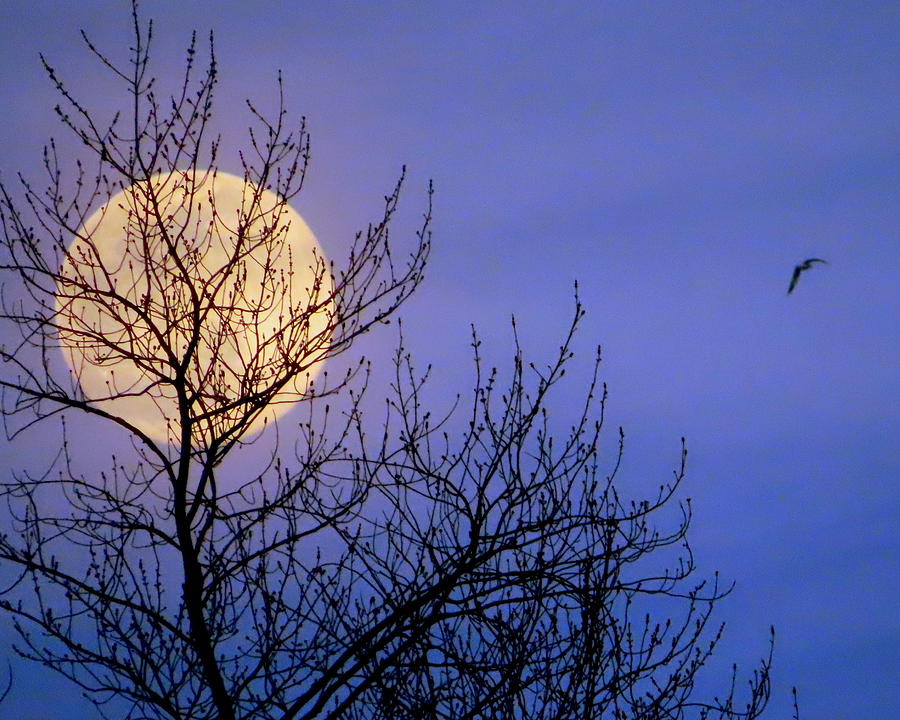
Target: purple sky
point(677, 159)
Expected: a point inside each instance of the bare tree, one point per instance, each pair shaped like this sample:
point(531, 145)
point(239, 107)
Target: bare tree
point(468, 565)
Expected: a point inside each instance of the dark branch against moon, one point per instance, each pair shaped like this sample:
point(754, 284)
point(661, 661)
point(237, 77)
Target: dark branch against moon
point(805, 265)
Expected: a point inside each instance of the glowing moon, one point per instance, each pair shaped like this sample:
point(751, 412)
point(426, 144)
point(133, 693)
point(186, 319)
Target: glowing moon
point(199, 266)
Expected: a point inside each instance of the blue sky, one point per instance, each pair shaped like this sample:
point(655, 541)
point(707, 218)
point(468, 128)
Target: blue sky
point(677, 159)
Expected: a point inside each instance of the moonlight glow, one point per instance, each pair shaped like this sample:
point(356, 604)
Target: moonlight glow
point(192, 265)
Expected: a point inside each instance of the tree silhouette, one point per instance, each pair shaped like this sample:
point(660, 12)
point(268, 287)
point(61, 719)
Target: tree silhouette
point(466, 565)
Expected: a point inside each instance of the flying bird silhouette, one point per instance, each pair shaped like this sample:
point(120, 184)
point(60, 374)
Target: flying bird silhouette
point(805, 265)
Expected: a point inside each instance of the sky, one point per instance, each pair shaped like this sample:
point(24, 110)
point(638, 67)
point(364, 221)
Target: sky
point(677, 159)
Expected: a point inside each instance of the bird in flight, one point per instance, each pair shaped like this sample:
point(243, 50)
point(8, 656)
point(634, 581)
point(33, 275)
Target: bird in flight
point(805, 265)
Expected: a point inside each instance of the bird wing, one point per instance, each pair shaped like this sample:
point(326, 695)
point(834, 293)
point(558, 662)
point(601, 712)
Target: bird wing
point(794, 279)
point(810, 261)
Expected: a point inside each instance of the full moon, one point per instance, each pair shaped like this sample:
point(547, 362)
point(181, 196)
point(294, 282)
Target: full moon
point(199, 276)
